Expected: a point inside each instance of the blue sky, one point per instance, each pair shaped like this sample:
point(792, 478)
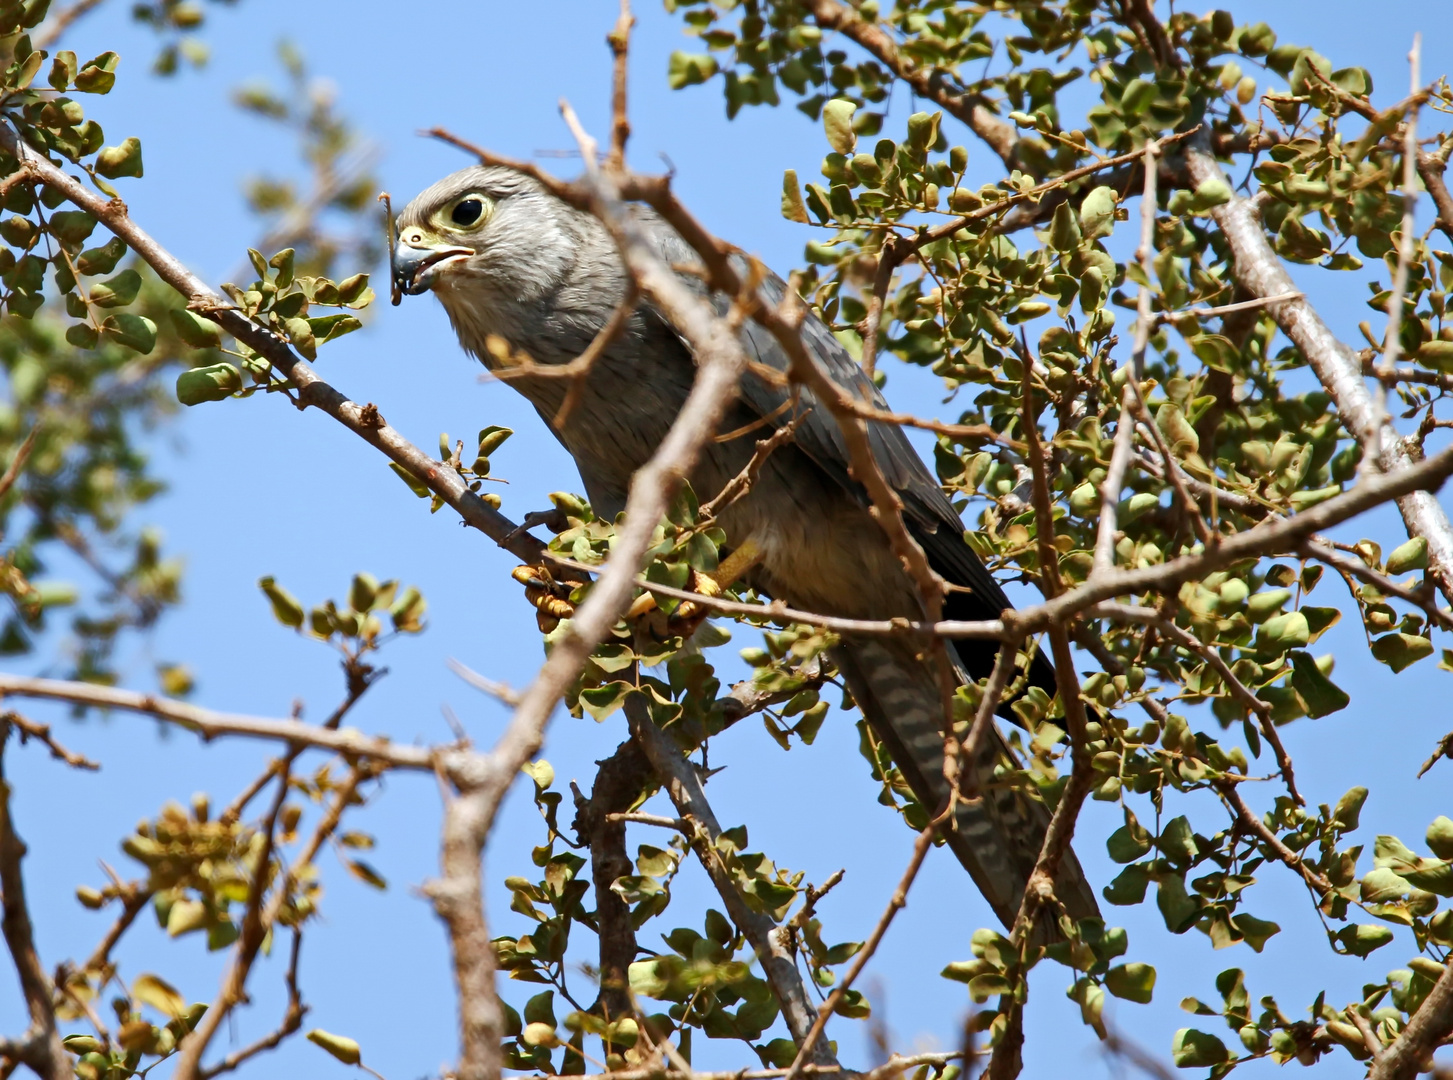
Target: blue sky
point(258, 488)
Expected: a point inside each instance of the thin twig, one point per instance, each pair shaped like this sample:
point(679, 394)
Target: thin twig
point(134, 898)
point(1374, 1044)
point(499, 690)
point(1444, 749)
point(739, 485)
point(578, 370)
point(1104, 558)
point(681, 825)
point(1392, 342)
point(1225, 309)
point(619, 40)
point(30, 729)
point(51, 32)
point(896, 903)
point(291, 1023)
point(17, 463)
point(210, 724)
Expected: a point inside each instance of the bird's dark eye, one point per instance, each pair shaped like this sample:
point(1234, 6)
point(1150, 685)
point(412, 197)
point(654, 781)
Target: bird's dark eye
point(467, 211)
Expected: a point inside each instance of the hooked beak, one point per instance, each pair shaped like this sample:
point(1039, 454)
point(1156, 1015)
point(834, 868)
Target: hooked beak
point(416, 269)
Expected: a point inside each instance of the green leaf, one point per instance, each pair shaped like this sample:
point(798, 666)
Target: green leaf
point(62, 70)
point(344, 1049)
point(1132, 982)
point(366, 873)
point(121, 160)
point(1254, 931)
point(282, 262)
point(103, 259)
point(285, 606)
point(923, 130)
point(1361, 939)
point(1097, 213)
point(1319, 694)
point(1440, 837)
point(1383, 885)
point(1348, 811)
point(98, 75)
point(1064, 230)
point(1212, 192)
point(417, 486)
point(1177, 907)
point(118, 292)
point(1399, 651)
point(1192, 1049)
point(1177, 841)
point(688, 69)
point(1128, 887)
point(212, 383)
point(134, 331)
point(333, 326)
point(1412, 555)
point(194, 330)
point(300, 333)
point(837, 122)
point(601, 701)
point(793, 208)
point(159, 994)
point(1283, 632)
point(73, 226)
point(1129, 842)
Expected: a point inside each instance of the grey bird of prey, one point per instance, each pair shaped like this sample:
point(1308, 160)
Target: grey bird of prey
point(507, 258)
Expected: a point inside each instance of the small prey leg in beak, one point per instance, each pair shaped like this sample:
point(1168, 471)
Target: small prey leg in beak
point(417, 261)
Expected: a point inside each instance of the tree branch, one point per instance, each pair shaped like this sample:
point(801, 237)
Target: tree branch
point(210, 724)
point(41, 1048)
point(363, 421)
point(292, 1021)
point(600, 823)
point(1411, 1052)
point(896, 903)
point(679, 778)
point(1258, 270)
point(929, 82)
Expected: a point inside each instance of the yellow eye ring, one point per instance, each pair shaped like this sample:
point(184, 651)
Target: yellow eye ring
point(468, 212)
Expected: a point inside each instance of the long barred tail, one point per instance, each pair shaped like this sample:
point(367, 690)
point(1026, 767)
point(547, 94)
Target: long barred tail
point(996, 837)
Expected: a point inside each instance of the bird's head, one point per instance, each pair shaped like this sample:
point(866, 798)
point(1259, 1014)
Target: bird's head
point(483, 237)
